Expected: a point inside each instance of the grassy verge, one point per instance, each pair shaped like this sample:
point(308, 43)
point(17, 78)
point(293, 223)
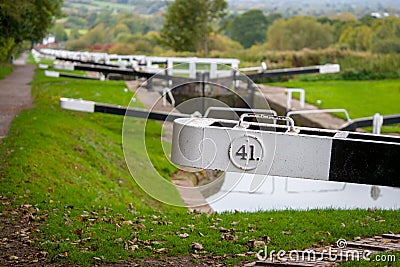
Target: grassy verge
point(70, 167)
point(5, 69)
point(359, 98)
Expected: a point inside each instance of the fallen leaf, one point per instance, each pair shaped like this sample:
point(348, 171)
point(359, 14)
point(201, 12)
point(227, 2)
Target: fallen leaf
point(229, 237)
point(222, 229)
point(266, 239)
point(259, 244)
point(196, 246)
point(184, 235)
point(13, 258)
point(161, 250)
point(118, 240)
point(255, 243)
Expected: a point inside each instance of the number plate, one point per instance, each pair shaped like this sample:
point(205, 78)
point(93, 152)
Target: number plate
point(246, 152)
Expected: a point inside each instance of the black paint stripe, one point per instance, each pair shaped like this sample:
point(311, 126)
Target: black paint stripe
point(357, 161)
point(366, 122)
point(138, 113)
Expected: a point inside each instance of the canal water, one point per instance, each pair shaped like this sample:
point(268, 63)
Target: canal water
point(280, 193)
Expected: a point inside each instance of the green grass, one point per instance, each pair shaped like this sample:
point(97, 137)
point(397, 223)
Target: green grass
point(5, 69)
point(359, 98)
point(114, 5)
point(99, 5)
point(70, 166)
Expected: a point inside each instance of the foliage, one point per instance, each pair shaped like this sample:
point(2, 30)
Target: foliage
point(299, 32)
point(188, 24)
point(96, 35)
point(7, 46)
point(249, 28)
point(219, 42)
point(387, 46)
point(60, 33)
point(74, 21)
point(75, 45)
point(22, 20)
point(354, 65)
point(387, 37)
point(357, 38)
point(123, 49)
point(343, 31)
point(5, 69)
point(119, 28)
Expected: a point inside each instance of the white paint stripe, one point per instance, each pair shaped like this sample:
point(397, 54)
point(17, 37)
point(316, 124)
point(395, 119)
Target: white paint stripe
point(77, 104)
point(64, 66)
point(301, 156)
point(329, 68)
point(53, 74)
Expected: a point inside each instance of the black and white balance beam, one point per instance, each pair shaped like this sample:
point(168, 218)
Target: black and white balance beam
point(90, 106)
point(322, 69)
point(278, 150)
point(56, 74)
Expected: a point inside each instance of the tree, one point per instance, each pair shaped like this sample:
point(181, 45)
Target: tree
point(219, 42)
point(188, 24)
point(249, 28)
point(299, 32)
point(356, 38)
point(96, 35)
point(120, 29)
point(60, 33)
point(22, 20)
point(74, 34)
point(387, 37)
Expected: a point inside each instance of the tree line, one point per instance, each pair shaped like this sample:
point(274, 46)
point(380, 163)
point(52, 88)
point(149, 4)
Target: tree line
point(22, 20)
point(201, 26)
point(197, 26)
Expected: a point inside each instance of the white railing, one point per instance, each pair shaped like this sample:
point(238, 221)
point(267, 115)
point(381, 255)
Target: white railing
point(315, 111)
point(290, 92)
point(167, 91)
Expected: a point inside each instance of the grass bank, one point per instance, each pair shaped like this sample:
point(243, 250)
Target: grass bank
point(5, 69)
point(359, 98)
point(70, 167)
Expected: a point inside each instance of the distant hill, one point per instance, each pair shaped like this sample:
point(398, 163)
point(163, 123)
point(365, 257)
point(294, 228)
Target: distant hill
point(143, 7)
point(286, 7)
point(317, 7)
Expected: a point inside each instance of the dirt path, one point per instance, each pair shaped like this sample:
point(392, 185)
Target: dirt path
point(15, 93)
point(16, 224)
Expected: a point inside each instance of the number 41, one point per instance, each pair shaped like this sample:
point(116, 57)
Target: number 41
point(243, 154)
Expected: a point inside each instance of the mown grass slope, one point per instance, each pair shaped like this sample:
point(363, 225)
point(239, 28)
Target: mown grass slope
point(5, 69)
